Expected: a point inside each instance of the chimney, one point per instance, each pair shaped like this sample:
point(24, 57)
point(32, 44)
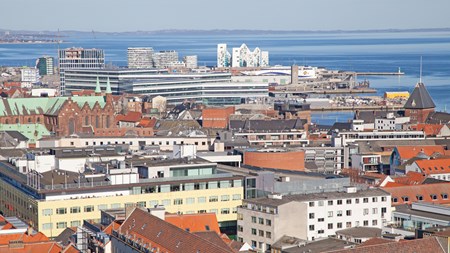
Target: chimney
point(29, 230)
point(294, 74)
point(129, 209)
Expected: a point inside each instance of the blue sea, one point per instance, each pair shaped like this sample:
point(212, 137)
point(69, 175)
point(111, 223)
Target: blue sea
point(363, 51)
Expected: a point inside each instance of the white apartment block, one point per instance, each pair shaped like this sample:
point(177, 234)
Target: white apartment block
point(29, 76)
point(262, 221)
point(140, 57)
point(342, 139)
point(241, 57)
point(223, 56)
point(163, 59)
point(190, 61)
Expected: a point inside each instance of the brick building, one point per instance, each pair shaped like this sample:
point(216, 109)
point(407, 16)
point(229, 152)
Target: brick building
point(276, 159)
point(216, 117)
point(419, 105)
point(62, 116)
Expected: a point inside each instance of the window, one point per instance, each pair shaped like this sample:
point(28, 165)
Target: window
point(357, 201)
point(213, 198)
point(321, 203)
point(366, 211)
point(268, 222)
point(75, 223)
point(320, 231)
point(165, 202)
point(47, 226)
point(339, 225)
point(89, 208)
point(365, 200)
point(339, 202)
point(47, 212)
point(433, 197)
point(213, 211)
point(178, 201)
point(419, 197)
point(190, 201)
point(102, 207)
point(349, 212)
point(253, 231)
point(253, 244)
point(225, 211)
point(339, 213)
point(311, 215)
point(349, 201)
point(311, 227)
point(115, 205)
point(330, 225)
point(444, 196)
point(311, 204)
point(75, 209)
point(268, 234)
point(253, 219)
point(153, 203)
point(405, 198)
point(261, 221)
point(330, 214)
point(394, 200)
point(225, 198)
point(330, 202)
point(374, 222)
point(366, 223)
point(374, 210)
point(374, 199)
point(236, 196)
point(348, 224)
point(321, 220)
point(61, 224)
point(61, 210)
point(201, 199)
point(261, 233)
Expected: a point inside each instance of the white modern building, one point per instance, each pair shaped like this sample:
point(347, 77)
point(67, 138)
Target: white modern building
point(263, 221)
point(163, 59)
point(140, 57)
point(29, 76)
point(241, 57)
point(190, 61)
point(223, 56)
point(78, 58)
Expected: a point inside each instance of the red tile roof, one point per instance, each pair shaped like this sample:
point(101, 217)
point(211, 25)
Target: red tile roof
point(425, 245)
point(411, 178)
point(408, 152)
point(23, 236)
point(434, 166)
point(130, 117)
point(432, 193)
point(147, 122)
point(148, 229)
point(47, 247)
point(428, 129)
point(195, 222)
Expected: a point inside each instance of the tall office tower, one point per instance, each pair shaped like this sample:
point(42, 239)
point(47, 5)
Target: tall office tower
point(79, 58)
point(163, 59)
point(223, 56)
point(140, 57)
point(45, 65)
point(190, 61)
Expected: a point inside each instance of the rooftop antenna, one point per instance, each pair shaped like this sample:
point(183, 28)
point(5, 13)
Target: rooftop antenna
point(420, 75)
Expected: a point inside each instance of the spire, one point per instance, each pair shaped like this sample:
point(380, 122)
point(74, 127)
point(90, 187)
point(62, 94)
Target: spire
point(97, 87)
point(108, 87)
point(420, 75)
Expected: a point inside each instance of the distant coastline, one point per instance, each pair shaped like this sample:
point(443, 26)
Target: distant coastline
point(224, 31)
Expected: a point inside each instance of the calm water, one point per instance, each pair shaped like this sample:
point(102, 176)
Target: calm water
point(343, 51)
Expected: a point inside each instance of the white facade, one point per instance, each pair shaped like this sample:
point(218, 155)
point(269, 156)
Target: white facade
point(366, 162)
point(43, 92)
point(29, 76)
point(190, 61)
point(310, 216)
point(140, 57)
point(163, 59)
point(223, 56)
point(342, 139)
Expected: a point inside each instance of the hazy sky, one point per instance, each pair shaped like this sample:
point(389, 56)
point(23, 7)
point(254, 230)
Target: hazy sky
point(148, 15)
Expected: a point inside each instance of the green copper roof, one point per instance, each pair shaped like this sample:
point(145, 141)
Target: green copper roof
point(41, 105)
point(108, 87)
point(97, 87)
point(32, 131)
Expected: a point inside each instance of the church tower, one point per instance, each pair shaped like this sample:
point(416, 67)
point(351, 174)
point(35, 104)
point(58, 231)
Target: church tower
point(419, 104)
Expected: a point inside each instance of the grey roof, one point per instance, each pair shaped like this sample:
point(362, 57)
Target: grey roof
point(420, 98)
point(370, 116)
point(64, 237)
point(17, 135)
point(406, 209)
point(325, 245)
point(360, 232)
point(267, 125)
point(341, 126)
point(316, 196)
point(438, 118)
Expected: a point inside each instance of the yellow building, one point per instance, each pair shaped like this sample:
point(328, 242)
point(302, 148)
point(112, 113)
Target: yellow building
point(52, 208)
point(396, 94)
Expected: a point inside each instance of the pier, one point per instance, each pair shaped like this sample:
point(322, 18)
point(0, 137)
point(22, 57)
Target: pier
point(358, 108)
point(380, 73)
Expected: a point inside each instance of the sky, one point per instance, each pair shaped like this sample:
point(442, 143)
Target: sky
point(148, 15)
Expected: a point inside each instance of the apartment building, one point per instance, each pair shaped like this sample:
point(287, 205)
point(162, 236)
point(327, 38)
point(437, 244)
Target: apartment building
point(55, 201)
point(262, 221)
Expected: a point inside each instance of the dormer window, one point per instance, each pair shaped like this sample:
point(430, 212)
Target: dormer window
point(419, 197)
point(444, 196)
point(433, 196)
point(395, 200)
point(405, 198)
